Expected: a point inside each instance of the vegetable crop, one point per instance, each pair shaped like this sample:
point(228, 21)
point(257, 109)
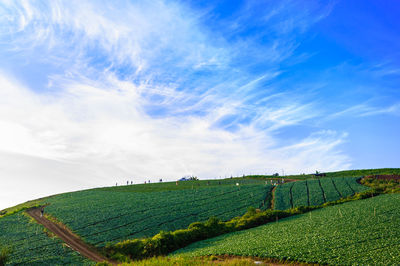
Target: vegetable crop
point(314, 192)
point(101, 216)
point(362, 232)
point(29, 244)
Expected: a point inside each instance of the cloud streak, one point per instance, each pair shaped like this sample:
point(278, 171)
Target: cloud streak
point(139, 91)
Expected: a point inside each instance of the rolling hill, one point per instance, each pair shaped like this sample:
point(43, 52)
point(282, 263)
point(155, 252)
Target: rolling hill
point(163, 217)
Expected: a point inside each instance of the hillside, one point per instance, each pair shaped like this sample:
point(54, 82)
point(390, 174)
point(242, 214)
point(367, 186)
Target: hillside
point(133, 215)
point(359, 232)
point(314, 192)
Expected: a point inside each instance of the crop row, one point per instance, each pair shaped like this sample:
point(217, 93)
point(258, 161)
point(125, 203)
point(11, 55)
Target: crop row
point(104, 216)
point(120, 202)
point(364, 232)
point(39, 248)
point(315, 192)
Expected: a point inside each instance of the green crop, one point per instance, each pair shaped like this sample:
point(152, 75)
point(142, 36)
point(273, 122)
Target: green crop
point(362, 232)
point(29, 244)
point(106, 215)
point(314, 192)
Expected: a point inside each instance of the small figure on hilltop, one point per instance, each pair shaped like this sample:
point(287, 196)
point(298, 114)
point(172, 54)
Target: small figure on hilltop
point(176, 182)
point(127, 182)
point(131, 182)
point(41, 211)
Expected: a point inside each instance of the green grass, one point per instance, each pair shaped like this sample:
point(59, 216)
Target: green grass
point(29, 244)
point(20, 207)
point(165, 261)
point(359, 232)
point(315, 192)
point(115, 214)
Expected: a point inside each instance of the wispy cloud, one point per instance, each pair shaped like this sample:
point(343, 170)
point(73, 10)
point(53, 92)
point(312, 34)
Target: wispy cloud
point(139, 90)
point(365, 109)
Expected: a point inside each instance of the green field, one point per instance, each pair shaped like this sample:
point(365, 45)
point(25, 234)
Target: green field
point(345, 173)
point(114, 214)
point(358, 232)
point(314, 192)
point(29, 244)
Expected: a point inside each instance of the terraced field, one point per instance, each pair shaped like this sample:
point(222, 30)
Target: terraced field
point(29, 244)
point(359, 232)
point(314, 192)
point(103, 215)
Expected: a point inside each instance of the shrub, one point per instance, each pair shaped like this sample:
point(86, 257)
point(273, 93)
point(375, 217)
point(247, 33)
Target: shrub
point(4, 255)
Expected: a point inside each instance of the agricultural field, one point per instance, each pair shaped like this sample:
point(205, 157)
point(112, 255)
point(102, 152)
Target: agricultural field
point(314, 192)
point(111, 215)
point(191, 184)
point(358, 232)
point(29, 244)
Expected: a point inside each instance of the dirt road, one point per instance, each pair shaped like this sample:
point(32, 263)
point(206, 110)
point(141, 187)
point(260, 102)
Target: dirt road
point(68, 237)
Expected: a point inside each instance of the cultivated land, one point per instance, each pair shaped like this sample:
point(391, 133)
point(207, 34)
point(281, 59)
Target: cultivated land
point(314, 192)
point(359, 232)
point(105, 217)
point(101, 216)
point(30, 244)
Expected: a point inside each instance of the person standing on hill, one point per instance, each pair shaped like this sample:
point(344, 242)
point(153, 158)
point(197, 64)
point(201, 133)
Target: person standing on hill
point(41, 211)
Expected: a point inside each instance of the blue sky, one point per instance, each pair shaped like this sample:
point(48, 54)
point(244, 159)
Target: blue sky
point(98, 92)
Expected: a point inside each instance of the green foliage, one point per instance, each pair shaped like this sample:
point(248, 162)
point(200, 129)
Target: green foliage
point(4, 255)
point(207, 260)
point(101, 216)
point(166, 242)
point(384, 186)
point(27, 243)
point(315, 192)
point(364, 232)
point(21, 207)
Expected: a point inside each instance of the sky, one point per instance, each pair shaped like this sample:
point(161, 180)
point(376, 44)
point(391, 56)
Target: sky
point(94, 93)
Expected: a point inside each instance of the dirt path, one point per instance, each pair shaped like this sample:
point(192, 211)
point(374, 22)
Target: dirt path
point(273, 198)
point(68, 237)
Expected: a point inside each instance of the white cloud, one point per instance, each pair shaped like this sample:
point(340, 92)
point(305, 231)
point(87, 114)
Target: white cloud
point(92, 136)
point(365, 109)
point(92, 127)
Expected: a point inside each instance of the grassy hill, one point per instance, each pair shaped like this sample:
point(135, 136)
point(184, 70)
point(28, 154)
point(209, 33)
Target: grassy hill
point(109, 216)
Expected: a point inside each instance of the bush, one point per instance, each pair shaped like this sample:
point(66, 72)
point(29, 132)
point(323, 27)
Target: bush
point(4, 255)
